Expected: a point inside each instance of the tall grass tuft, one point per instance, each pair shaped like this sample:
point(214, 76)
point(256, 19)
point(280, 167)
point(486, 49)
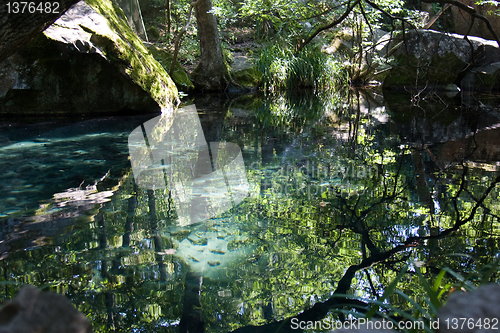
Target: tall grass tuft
point(284, 69)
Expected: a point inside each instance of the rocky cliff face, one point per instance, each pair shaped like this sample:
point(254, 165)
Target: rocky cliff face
point(88, 62)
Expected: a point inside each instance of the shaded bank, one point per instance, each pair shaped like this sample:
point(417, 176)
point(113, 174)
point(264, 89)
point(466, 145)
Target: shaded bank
point(89, 62)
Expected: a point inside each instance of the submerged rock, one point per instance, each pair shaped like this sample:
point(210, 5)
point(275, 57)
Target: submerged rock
point(32, 311)
point(89, 61)
point(429, 59)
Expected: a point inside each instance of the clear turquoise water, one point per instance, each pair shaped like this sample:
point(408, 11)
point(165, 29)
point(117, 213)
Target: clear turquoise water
point(330, 184)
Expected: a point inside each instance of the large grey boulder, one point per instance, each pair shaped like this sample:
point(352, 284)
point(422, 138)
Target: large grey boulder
point(32, 311)
point(473, 312)
point(89, 61)
point(432, 59)
point(245, 73)
point(17, 28)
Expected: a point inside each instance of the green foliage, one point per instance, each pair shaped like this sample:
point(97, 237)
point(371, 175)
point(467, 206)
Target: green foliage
point(490, 3)
point(424, 307)
point(284, 69)
point(226, 13)
point(179, 76)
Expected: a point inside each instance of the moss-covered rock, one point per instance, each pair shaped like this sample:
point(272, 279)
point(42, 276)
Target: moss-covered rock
point(145, 70)
point(132, 11)
point(89, 61)
point(485, 78)
point(433, 60)
point(153, 33)
point(250, 78)
point(245, 73)
point(179, 75)
point(426, 58)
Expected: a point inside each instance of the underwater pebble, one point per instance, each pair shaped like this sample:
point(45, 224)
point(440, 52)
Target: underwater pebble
point(193, 258)
point(213, 263)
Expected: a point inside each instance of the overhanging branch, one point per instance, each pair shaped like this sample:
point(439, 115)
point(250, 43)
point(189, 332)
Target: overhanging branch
point(471, 11)
point(328, 26)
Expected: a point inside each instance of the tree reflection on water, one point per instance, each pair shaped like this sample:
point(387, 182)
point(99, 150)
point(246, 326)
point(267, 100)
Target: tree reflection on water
point(343, 194)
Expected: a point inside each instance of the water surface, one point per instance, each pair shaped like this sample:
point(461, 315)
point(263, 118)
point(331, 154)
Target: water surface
point(342, 193)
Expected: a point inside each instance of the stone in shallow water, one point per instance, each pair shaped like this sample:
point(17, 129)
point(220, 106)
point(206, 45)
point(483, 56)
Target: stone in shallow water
point(213, 263)
point(33, 311)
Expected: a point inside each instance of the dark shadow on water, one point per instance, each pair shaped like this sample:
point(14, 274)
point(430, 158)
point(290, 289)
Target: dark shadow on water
point(344, 192)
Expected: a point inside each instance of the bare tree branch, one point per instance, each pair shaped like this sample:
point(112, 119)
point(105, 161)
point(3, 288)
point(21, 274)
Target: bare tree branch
point(472, 12)
point(328, 26)
point(177, 43)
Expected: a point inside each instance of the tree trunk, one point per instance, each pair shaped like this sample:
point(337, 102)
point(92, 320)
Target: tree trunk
point(169, 19)
point(211, 73)
point(17, 28)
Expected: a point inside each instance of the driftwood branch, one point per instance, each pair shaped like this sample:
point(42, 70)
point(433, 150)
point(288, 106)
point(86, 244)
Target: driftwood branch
point(434, 19)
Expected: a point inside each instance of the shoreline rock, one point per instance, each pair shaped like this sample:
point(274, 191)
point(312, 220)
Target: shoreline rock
point(88, 62)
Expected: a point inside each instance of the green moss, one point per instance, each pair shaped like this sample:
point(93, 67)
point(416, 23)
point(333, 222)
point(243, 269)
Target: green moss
point(153, 32)
point(248, 78)
point(488, 77)
point(127, 49)
point(179, 75)
point(411, 72)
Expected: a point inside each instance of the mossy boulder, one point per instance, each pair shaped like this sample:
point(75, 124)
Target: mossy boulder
point(433, 60)
point(245, 73)
point(342, 42)
point(250, 78)
point(89, 61)
point(180, 77)
point(484, 78)
point(153, 33)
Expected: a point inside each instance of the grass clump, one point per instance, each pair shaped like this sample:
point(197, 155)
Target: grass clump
point(282, 68)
